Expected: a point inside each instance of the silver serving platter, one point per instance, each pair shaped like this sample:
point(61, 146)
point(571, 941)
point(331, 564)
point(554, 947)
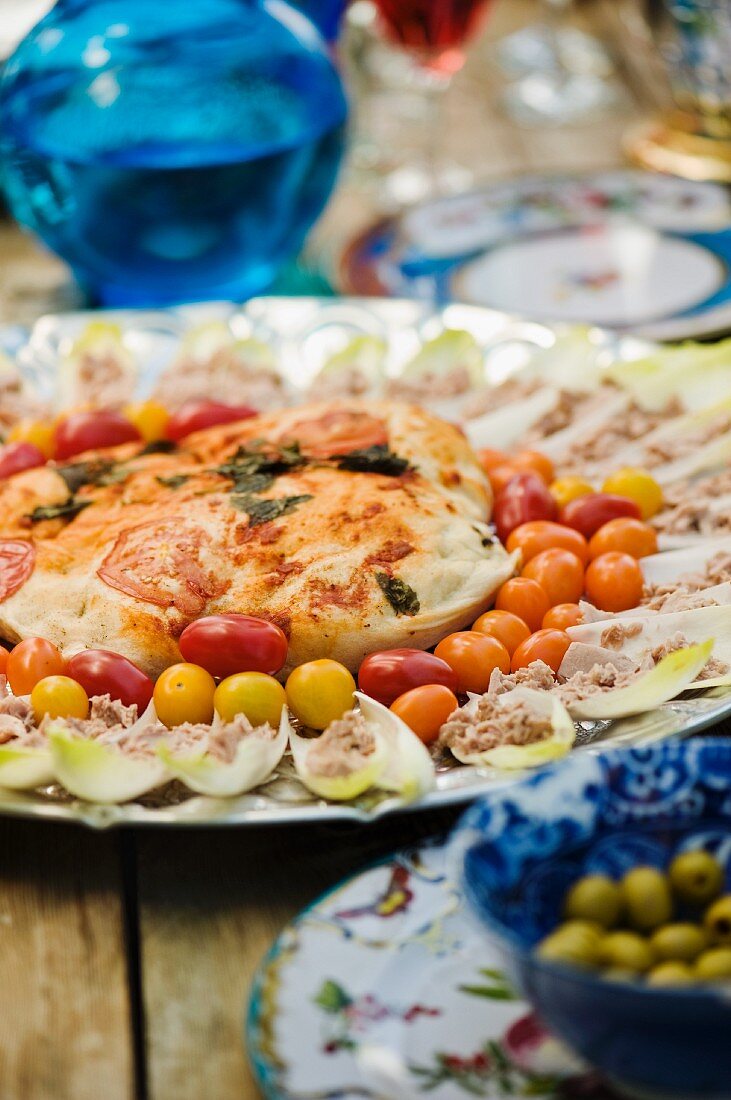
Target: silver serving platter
point(303, 333)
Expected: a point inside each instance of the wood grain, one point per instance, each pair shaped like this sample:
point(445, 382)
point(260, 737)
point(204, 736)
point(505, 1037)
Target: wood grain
point(63, 982)
point(210, 904)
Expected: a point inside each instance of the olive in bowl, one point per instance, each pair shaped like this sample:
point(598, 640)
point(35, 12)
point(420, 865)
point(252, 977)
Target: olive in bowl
point(605, 881)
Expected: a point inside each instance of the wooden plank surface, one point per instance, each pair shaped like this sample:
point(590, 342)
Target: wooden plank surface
point(63, 982)
point(210, 904)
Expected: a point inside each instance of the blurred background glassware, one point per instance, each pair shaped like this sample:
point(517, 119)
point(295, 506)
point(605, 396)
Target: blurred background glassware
point(405, 54)
point(171, 152)
point(325, 14)
point(694, 40)
point(560, 75)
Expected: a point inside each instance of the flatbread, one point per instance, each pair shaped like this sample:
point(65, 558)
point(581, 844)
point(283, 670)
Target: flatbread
point(392, 550)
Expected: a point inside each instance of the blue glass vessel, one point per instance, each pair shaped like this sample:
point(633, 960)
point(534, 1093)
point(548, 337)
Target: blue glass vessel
point(325, 14)
point(171, 151)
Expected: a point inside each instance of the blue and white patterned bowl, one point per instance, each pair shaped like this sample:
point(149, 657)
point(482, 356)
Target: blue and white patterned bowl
point(518, 851)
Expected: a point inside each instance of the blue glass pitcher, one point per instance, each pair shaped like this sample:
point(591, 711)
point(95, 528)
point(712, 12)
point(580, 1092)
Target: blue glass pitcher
point(171, 151)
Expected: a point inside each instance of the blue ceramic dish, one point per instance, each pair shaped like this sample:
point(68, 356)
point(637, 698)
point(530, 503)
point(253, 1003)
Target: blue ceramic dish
point(520, 849)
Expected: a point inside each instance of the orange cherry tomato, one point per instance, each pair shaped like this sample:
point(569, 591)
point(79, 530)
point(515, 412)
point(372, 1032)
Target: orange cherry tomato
point(630, 536)
point(535, 462)
point(425, 709)
point(560, 574)
point(32, 660)
point(503, 625)
point(500, 476)
point(524, 598)
point(473, 656)
point(543, 534)
point(489, 458)
point(3, 660)
point(614, 582)
point(545, 645)
point(562, 616)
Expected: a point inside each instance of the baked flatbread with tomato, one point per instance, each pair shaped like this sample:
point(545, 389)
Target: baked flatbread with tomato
point(355, 527)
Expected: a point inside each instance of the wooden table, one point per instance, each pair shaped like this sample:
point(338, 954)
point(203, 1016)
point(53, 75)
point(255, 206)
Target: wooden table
point(125, 958)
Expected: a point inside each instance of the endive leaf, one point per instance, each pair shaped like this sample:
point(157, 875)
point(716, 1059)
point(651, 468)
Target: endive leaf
point(713, 455)
point(672, 565)
point(690, 371)
point(99, 771)
point(255, 760)
point(366, 354)
point(558, 446)
point(22, 769)
point(410, 768)
point(540, 752)
point(338, 788)
point(503, 427)
point(702, 457)
point(451, 349)
point(697, 626)
point(648, 690)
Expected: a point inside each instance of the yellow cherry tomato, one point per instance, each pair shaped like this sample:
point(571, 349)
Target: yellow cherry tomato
point(38, 432)
point(59, 697)
point(258, 696)
point(184, 693)
point(150, 418)
point(319, 692)
point(565, 489)
point(636, 485)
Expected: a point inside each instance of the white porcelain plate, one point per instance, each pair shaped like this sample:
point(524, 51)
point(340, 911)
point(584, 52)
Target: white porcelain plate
point(386, 989)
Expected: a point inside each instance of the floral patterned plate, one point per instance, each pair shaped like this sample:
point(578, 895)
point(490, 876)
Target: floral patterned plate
point(386, 989)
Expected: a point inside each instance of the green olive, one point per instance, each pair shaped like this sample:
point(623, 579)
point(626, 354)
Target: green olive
point(647, 898)
point(671, 973)
point(596, 898)
point(626, 950)
point(576, 943)
point(717, 921)
point(696, 877)
point(714, 965)
point(682, 941)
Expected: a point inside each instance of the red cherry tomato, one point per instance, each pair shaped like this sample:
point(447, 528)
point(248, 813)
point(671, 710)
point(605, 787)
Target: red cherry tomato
point(425, 709)
point(15, 457)
point(90, 431)
point(101, 672)
point(386, 675)
point(226, 644)
point(524, 498)
point(473, 656)
point(32, 660)
point(548, 646)
point(591, 511)
point(201, 413)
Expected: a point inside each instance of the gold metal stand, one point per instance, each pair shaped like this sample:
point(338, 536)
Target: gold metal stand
point(676, 144)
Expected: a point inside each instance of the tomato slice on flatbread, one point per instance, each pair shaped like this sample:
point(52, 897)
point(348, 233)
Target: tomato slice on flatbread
point(17, 558)
point(160, 563)
point(337, 433)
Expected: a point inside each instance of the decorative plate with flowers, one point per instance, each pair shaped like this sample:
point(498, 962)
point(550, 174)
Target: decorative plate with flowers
point(386, 989)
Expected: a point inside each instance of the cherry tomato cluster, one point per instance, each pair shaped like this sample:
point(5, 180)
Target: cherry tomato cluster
point(573, 542)
point(229, 668)
point(32, 443)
